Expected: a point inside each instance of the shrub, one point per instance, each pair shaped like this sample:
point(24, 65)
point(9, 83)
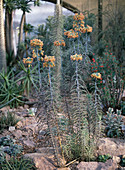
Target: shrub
point(112, 85)
point(113, 123)
point(103, 158)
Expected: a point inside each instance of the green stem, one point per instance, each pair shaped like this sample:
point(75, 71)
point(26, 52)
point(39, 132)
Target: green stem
point(39, 70)
point(50, 83)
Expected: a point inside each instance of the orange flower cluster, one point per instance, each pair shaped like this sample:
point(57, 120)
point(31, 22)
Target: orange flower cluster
point(76, 57)
point(59, 43)
point(85, 29)
point(78, 26)
point(48, 61)
point(96, 75)
point(28, 61)
point(36, 43)
point(78, 17)
point(71, 33)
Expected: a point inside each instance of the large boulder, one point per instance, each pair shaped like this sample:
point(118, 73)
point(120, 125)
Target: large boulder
point(111, 146)
point(109, 165)
point(41, 162)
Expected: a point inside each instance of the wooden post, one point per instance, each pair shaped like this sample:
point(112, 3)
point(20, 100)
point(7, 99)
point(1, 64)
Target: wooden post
point(58, 2)
point(99, 18)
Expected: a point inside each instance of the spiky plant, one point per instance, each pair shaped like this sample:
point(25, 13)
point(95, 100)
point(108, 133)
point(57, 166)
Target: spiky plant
point(50, 103)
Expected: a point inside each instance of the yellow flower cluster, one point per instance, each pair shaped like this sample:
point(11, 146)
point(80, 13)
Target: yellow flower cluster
point(78, 16)
point(28, 61)
point(59, 43)
point(96, 75)
point(71, 33)
point(48, 61)
point(36, 42)
point(76, 57)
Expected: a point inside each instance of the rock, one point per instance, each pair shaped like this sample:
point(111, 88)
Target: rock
point(109, 165)
point(111, 146)
point(29, 143)
point(29, 121)
point(19, 125)
point(5, 109)
point(46, 151)
point(116, 159)
point(26, 106)
point(17, 134)
point(11, 128)
point(63, 168)
point(7, 157)
point(33, 127)
point(21, 108)
point(42, 132)
point(42, 163)
point(89, 166)
point(25, 134)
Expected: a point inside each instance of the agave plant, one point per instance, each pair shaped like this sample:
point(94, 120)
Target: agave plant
point(28, 78)
point(10, 90)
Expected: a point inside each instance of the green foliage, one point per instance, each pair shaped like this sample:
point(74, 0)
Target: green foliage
point(103, 158)
point(7, 120)
point(114, 33)
point(24, 5)
point(6, 141)
point(12, 150)
point(9, 89)
point(73, 116)
point(28, 28)
point(113, 123)
point(112, 84)
point(122, 162)
point(10, 5)
point(28, 77)
point(123, 107)
point(7, 146)
point(17, 164)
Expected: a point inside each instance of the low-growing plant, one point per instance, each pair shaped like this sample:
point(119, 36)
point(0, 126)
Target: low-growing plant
point(113, 123)
point(7, 120)
point(12, 150)
point(17, 164)
point(103, 158)
point(6, 141)
point(7, 145)
point(122, 162)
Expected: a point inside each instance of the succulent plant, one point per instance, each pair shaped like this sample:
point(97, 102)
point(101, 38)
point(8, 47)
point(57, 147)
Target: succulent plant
point(113, 123)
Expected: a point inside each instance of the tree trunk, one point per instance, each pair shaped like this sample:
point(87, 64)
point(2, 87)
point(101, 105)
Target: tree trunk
point(20, 38)
point(99, 19)
point(7, 40)
point(9, 33)
point(2, 40)
point(21, 28)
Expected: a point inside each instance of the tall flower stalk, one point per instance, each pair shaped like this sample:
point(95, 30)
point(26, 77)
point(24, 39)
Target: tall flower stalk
point(49, 61)
point(37, 51)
